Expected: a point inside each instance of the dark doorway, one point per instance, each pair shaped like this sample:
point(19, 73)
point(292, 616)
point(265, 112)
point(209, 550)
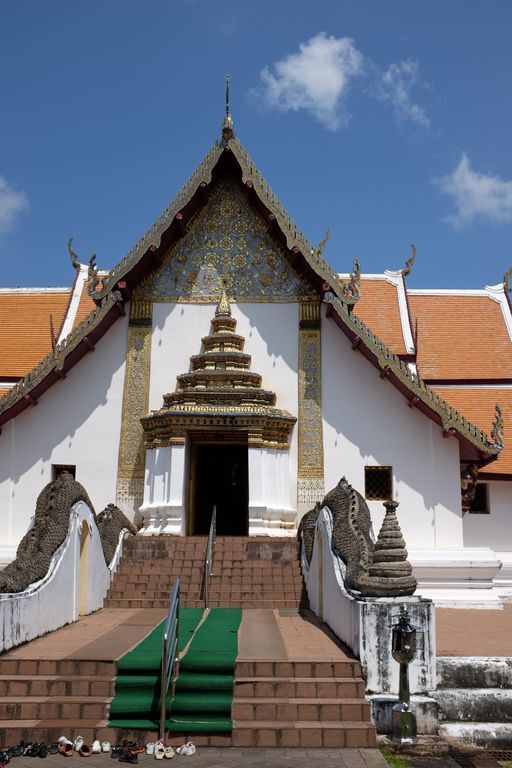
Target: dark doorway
point(221, 479)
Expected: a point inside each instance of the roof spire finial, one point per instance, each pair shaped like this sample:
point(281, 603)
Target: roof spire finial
point(227, 125)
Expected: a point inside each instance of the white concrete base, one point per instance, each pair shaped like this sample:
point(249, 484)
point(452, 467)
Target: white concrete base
point(503, 580)
point(486, 735)
point(458, 578)
point(164, 519)
point(271, 521)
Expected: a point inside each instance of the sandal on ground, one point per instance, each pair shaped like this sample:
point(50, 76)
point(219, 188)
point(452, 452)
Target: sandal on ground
point(53, 748)
point(159, 751)
point(168, 752)
point(66, 750)
point(84, 751)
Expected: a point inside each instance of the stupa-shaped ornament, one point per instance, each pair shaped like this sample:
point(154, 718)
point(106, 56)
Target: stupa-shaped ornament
point(390, 564)
point(220, 392)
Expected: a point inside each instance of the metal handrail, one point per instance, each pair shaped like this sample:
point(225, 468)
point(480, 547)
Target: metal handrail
point(208, 563)
point(170, 653)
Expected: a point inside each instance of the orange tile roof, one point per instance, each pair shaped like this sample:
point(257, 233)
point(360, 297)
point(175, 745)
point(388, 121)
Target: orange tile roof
point(478, 406)
point(25, 328)
point(378, 309)
point(460, 337)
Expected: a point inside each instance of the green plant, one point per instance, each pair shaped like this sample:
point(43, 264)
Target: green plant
point(393, 760)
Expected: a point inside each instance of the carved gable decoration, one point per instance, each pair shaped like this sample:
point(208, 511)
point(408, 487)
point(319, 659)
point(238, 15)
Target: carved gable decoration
point(228, 244)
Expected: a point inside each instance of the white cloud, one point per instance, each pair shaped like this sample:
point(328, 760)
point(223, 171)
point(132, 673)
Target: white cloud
point(315, 79)
point(476, 195)
point(12, 203)
point(394, 86)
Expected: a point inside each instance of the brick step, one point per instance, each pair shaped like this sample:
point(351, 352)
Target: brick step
point(294, 604)
point(57, 708)
point(53, 685)
point(150, 567)
point(299, 687)
point(246, 734)
point(61, 667)
point(291, 709)
point(298, 669)
point(308, 734)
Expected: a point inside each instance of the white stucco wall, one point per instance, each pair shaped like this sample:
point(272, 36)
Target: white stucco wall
point(77, 421)
point(495, 529)
point(366, 421)
point(271, 338)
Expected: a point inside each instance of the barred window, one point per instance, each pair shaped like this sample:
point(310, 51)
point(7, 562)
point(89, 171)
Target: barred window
point(58, 469)
point(480, 504)
point(378, 483)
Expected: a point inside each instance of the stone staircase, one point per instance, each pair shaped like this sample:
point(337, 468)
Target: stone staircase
point(474, 695)
point(248, 572)
point(301, 704)
point(315, 699)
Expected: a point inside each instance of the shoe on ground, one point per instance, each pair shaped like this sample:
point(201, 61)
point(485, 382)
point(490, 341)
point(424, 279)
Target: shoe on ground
point(84, 751)
point(128, 757)
point(187, 749)
point(96, 747)
point(168, 752)
point(105, 746)
point(150, 748)
point(117, 752)
point(66, 750)
point(64, 740)
point(78, 743)
point(159, 751)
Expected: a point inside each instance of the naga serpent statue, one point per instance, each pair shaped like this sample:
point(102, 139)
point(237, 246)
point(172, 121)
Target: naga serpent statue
point(49, 529)
point(379, 569)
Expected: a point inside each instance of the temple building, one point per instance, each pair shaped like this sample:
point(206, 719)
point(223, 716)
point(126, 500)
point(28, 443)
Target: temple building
point(222, 362)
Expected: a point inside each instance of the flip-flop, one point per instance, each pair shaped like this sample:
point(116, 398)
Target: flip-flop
point(66, 750)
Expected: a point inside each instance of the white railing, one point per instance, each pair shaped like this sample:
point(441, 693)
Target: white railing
point(170, 654)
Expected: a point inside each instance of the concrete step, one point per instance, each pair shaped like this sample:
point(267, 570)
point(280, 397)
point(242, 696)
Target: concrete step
point(297, 687)
point(298, 669)
point(483, 735)
point(308, 734)
point(53, 685)
point(58, 667)
point(54, 708)
point(290, 709)
point(474, 672)
point(488, 705)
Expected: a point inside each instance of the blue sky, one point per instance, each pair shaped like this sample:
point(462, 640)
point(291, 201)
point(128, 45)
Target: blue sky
point(389, 122)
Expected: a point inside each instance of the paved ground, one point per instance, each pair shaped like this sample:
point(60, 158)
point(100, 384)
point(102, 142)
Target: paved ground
point(463, 632)
point(230, 758)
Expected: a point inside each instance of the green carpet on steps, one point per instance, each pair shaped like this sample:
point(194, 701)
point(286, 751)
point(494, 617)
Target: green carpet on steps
point(204, 689)
point(138, 675)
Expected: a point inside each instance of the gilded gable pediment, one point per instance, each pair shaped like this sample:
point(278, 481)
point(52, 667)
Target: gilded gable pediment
point(227, 244)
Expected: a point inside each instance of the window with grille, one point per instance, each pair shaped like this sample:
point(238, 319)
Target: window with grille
point(58, 469)
point(378, 483)
point(480, 504)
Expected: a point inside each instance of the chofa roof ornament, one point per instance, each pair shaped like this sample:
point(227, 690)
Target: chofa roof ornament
point(410, 261)
point(351, 290)
point(506, 281)
point(74, 256)
point(92, 275)
point(497, 436)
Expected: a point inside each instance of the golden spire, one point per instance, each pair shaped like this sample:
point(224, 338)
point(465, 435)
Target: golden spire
point(227, 125)
point(223, 307)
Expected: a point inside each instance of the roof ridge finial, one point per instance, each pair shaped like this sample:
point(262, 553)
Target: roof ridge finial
point(223, 307)
point(227, 125)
